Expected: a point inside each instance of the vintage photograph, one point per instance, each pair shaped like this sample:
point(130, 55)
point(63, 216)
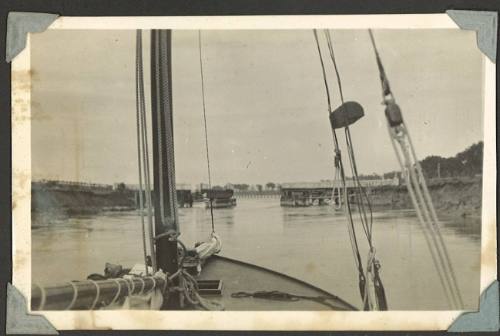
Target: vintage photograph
point(256, 170)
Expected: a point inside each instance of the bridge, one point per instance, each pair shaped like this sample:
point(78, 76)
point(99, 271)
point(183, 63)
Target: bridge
point(257, 194)
point(325, 192)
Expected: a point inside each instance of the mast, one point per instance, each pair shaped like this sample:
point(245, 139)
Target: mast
point(165, 200)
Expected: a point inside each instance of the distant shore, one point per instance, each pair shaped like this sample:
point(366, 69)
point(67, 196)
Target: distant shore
point(456, 197)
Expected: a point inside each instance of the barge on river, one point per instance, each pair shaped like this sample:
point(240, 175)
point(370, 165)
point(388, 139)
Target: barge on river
point(304, 194)
point(215, 198)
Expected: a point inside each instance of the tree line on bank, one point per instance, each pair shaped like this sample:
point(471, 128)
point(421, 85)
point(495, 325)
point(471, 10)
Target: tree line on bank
point(467, 163)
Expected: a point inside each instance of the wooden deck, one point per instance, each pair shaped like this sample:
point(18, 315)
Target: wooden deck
point(238, 276)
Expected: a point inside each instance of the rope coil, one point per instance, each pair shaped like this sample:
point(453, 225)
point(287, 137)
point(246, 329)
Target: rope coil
point(276, 295)
point(154, 285)
point(118, 291)
point(97, 292)
point(75, 295)
point(142, 287)
point(132, 286)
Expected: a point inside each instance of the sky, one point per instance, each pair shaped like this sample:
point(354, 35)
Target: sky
point(266, 105)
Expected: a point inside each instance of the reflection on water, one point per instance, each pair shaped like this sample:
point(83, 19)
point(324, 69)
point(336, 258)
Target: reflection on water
point(309, 243)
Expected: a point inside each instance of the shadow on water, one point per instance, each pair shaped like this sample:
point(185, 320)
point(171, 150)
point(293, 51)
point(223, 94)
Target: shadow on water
point(467, 227)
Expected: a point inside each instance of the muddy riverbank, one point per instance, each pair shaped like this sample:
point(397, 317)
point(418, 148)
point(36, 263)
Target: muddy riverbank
point(453, 197)
point(69, 202)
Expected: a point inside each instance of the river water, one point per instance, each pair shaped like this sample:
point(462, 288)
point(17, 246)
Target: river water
point(311, 244)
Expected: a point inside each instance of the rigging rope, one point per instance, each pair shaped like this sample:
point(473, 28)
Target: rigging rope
point(350, 148)
point(417, 188)
point(139, 151)
point(324, 72)
point(188, 286)
point(367, 225)
point(379, 301)
point(206, 130)
point(144, 150)
point(340, 167)
point(332, 56)
point(337, 152)
point(145, 154)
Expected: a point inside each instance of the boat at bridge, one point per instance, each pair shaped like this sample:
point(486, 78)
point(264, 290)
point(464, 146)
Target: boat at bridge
point(304, 194)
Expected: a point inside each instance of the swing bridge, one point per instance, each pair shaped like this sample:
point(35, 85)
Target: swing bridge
point(327, 192)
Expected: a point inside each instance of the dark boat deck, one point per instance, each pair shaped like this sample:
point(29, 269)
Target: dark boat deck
point(238, 276)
